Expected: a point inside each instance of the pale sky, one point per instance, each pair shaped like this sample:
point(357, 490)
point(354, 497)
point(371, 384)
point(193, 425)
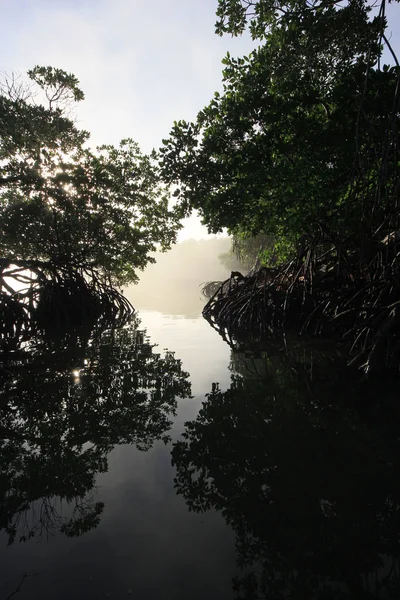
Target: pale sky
point(141, 65)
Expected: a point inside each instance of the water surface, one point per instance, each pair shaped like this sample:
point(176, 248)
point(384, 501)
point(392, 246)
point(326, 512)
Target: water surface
point(284, 480)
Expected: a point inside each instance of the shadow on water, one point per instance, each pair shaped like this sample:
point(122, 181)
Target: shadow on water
point(303, 461)
point(64, 405)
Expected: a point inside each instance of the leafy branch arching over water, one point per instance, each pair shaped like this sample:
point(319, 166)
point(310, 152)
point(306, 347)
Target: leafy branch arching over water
point(63, 408)
point(308, 482)
point(302, 146)
point(76, 223)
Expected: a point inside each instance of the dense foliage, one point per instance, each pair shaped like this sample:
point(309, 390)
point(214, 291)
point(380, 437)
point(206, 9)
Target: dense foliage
point(302, 144)
point(248, 253)
point(302, 147)
point(64, 205)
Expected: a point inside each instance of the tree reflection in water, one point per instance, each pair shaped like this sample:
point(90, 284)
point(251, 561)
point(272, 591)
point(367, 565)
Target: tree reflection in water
point(63, 407)
point(307, 478)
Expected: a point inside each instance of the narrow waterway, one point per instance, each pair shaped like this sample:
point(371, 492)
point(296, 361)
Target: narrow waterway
point(147, 544)
point(278, 486)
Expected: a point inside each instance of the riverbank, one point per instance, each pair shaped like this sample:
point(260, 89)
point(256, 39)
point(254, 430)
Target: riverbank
point(355, 303)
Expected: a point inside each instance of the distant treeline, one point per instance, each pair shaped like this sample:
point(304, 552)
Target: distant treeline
point(192, 260)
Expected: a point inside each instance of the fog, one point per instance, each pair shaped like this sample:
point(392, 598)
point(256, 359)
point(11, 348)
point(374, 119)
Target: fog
point(173, 284)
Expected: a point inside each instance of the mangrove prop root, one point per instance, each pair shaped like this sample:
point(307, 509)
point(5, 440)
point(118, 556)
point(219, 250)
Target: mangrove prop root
point(54, 300)
point(359, 304)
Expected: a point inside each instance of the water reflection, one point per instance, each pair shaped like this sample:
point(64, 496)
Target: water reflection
point(63, 407)
point(301, 462)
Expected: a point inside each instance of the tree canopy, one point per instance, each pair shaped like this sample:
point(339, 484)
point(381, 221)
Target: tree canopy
point(101, 212)
point(303, 140)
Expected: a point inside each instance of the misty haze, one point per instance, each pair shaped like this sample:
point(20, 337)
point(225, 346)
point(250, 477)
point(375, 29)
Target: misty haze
point(187, 415)
point(173, 284)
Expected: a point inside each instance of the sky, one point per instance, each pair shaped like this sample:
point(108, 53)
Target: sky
point(141, 65)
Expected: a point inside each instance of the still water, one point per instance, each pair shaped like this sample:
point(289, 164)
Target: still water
point(195, 472)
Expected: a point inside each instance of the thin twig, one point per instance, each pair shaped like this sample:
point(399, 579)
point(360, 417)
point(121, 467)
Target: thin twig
point(18, 589)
